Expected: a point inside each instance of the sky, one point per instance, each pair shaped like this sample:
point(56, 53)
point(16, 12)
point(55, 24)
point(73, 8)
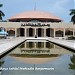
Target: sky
point(60, 8)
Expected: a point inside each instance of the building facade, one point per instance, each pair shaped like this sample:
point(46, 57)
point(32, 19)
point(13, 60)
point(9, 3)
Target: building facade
point(38, 24)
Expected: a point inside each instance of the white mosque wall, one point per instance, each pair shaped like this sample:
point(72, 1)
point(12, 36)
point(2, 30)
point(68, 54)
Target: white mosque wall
point(14, 28)
point(52, 25)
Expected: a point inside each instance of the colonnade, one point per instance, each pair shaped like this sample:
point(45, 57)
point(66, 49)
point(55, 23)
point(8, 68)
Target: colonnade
point(45, 32)
point(41, 32)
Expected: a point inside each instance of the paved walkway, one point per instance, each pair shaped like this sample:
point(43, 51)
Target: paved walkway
point(3, 41)
point(7, 44)
point(67, 43)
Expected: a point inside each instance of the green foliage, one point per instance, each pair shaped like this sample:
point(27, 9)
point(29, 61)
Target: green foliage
point(1, 63)
point(73, 19)
point(0, 29)
point(1, 5)
point(72, 65)
point(72, 13)
point(1, 13)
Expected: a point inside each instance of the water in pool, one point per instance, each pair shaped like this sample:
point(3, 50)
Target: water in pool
point(38, 58)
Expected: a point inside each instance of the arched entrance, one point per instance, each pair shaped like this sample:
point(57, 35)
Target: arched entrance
point(11, 32)
point(20, 32)
point(69, 32)
point(48, 32)
point(59, 33)
point(30, 32)
point(40, 32)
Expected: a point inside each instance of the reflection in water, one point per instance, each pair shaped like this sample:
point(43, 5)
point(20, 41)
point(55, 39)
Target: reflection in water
point(1, 63)
point(22, 45)
point(49, 45)
point(72, 65)
point(35, 48)
point(35, 56)
point(30, 45)
point(37, 45)
point(39, 54)
point(35, 60)
point(39, 48)
point(36, 52)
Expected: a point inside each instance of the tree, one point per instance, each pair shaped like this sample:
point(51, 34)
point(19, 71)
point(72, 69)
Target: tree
point(1, 13)
point(72, 64)
point(72, 13)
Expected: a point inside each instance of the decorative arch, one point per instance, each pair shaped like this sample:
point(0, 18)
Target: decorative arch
point(51, 32)
point(59, 33)
point(20, 32)
point(11, 32)
point(30, 32)
point(68, 32)
point(40, 32)
point(48, 32)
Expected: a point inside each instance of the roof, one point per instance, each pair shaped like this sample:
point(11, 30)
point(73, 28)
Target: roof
point(35, 14)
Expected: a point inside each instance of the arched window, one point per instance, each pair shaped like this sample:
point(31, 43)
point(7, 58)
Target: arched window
point(20, 32)
point(11, 33)
point(69, 32)
point(40, 32)
point(48, 32)
point(59, 33)
point(30, 32)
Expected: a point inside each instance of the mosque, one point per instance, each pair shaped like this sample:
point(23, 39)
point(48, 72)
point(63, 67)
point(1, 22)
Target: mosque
point(37, 24)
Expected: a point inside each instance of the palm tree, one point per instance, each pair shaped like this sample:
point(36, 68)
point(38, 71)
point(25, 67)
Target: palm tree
point(1, 13)
point(73, 15)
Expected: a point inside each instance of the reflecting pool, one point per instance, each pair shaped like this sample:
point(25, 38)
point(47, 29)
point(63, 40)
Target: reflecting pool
point(38, 58)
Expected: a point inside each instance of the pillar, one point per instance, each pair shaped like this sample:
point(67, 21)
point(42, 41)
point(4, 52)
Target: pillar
point(50, 32)
point(54, 47)
point(25, 44)
point(15, 32)
point(54, 32)
point(35, 45)
point(35, 32)
point(64, 33)
point(25, 32)
point(44, 32)
point(44, 45)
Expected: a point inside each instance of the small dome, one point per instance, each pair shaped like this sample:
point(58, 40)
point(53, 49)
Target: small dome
point(35, 15)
